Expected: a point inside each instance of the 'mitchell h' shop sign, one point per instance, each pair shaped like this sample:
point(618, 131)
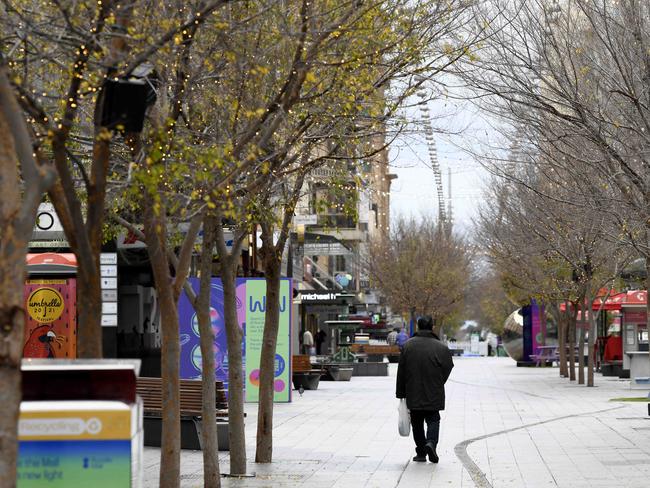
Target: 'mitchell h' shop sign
point(318, 296)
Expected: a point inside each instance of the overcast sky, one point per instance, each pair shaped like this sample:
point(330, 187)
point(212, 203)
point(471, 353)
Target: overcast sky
point(413, 192)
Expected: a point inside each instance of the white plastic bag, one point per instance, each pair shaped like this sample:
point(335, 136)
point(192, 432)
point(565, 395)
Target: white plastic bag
point(404, 419)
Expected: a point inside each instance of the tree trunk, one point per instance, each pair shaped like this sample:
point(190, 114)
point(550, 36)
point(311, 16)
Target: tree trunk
point(272, 256)
point(272, 263)
point(237, 435)
point(11, 340)
point(560, 317)
point(17, 216)
point(562, 343)
point(211, 476)
point(228, 260)
point(89, 329)
point(591, 342)
point(170, 451)
point(572, 342)
point(13, 249)
point(12, 323)
point(581, 346)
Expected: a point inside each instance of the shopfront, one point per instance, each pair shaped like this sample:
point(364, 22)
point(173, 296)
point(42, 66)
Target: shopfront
point(319, 306)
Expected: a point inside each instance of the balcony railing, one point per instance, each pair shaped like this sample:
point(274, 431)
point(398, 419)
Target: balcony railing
point(336, 221)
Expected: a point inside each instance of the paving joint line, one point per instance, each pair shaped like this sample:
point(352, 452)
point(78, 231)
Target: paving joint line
point(399, 480)
point(477, 475)
point(501, 388)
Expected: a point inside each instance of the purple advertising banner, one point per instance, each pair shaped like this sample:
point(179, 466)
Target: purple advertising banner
point(538, 325)
point(251, 292)
point(191, 358)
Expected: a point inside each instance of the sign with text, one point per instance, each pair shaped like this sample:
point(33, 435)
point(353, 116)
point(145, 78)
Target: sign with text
point(251, 309)
point(108, 274)
point(318, 296)
point(83, 445)
point(51, 319)
point(255, 314)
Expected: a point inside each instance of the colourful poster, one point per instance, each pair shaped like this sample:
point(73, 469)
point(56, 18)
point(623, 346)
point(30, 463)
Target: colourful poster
point(190, 338)
point(251, 309)
point(51, 319)
point(255, 313)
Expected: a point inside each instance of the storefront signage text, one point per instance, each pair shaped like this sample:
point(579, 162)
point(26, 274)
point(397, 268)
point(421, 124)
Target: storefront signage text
point(318, 296)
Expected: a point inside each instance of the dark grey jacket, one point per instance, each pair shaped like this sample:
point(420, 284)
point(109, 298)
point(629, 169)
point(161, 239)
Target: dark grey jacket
point(424, 366)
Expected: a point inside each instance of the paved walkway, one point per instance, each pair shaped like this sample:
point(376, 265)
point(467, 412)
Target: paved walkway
point(503, 427)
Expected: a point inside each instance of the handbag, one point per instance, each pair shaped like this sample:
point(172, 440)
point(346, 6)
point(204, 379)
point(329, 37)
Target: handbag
point(404, 419)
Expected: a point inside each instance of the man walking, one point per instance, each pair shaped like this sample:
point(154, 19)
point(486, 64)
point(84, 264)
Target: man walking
point(424, 366)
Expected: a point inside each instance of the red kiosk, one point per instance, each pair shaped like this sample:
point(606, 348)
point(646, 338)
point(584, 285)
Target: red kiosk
point(51, 306)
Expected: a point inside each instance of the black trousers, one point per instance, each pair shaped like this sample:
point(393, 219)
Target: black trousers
point(432, 419)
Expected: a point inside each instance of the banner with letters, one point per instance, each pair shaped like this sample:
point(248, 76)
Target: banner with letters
point(251, 309)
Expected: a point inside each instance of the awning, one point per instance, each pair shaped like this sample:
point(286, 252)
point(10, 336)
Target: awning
point(617, 301)
point(636, 298)
point(324, 245)
point(51, 263)
point(613, 302)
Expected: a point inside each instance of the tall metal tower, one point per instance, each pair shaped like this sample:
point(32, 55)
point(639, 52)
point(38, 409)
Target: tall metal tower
point(444, 214)
point(450, 209)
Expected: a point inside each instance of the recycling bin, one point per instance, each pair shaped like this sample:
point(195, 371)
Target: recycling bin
point(80, 424)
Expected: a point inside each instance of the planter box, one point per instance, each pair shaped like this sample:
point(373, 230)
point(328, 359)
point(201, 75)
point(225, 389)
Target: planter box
point(370, 369)
point(308, 381)
point(190, 433)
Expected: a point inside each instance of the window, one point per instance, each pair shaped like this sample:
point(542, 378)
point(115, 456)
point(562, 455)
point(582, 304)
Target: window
point(643, 335)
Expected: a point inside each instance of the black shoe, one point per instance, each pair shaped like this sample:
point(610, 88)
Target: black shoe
point(431, 452)
point(420, 459)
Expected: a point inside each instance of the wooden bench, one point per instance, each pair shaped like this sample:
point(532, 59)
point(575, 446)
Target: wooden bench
point(304, 374)
point(191, 410)
point(377, 352)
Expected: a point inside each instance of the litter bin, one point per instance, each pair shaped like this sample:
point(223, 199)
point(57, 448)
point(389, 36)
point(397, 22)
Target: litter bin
point(80, 424)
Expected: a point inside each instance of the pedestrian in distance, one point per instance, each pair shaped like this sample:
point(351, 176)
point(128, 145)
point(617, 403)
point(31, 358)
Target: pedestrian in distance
point(401, 339)
point(320, 339)
point(424, 366)
point(391, 339)
point(307, 341)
